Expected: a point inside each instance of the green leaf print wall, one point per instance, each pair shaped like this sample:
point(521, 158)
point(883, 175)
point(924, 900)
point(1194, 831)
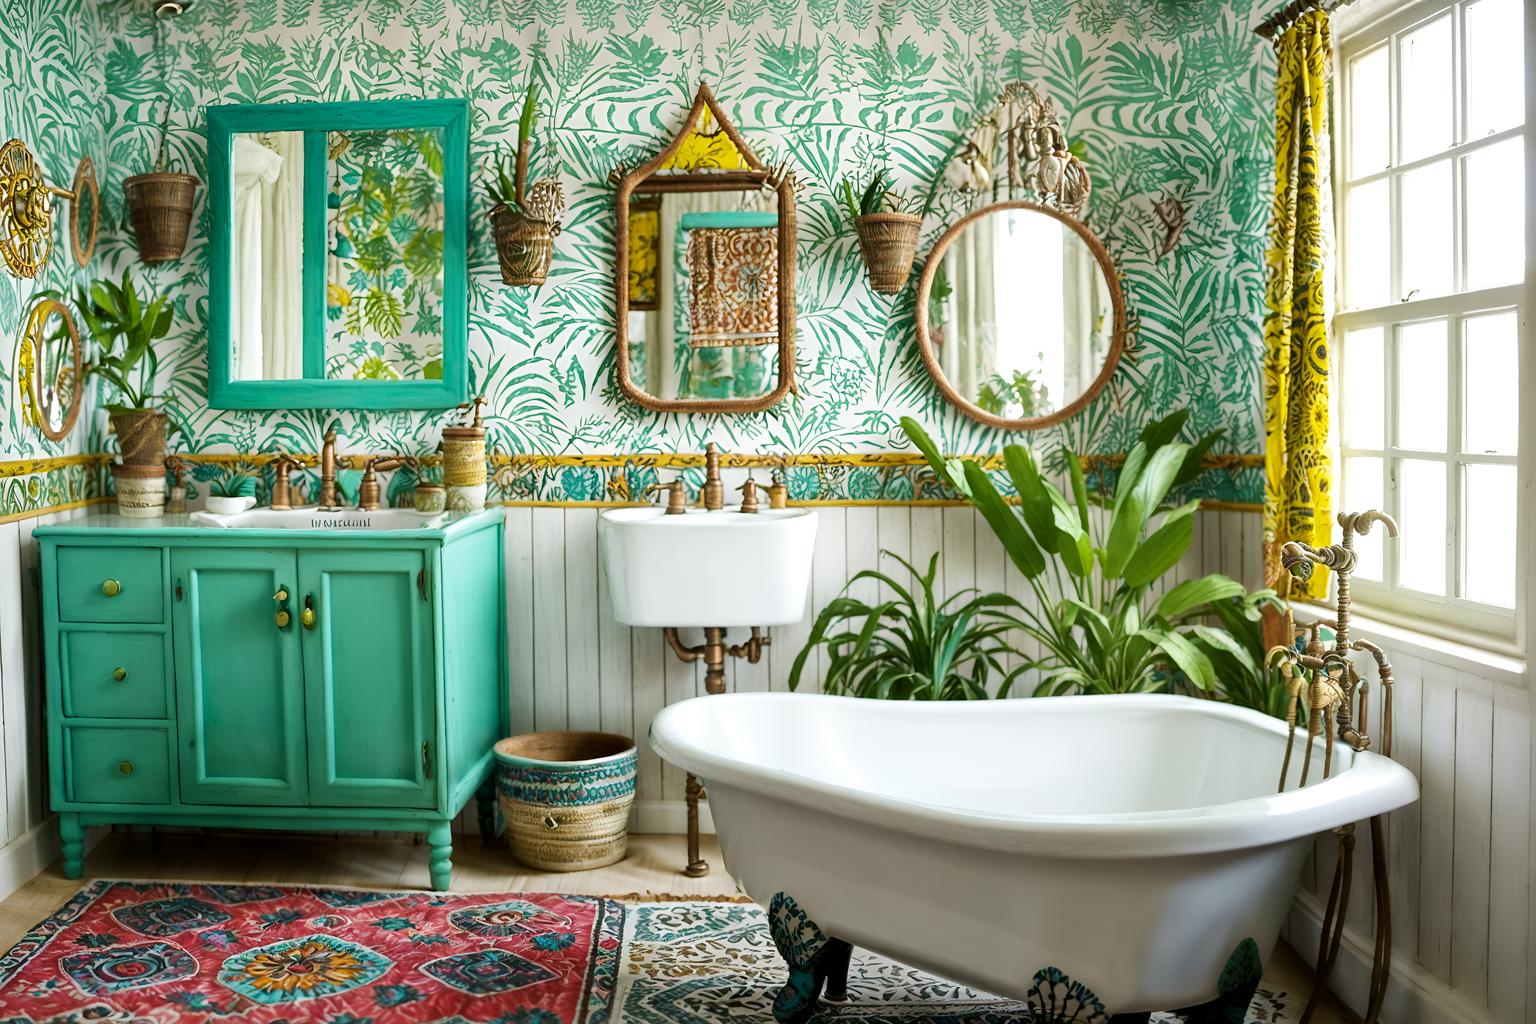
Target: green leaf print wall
point(1164, 98)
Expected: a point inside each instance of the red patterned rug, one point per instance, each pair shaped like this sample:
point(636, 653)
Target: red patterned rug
point(172, 954)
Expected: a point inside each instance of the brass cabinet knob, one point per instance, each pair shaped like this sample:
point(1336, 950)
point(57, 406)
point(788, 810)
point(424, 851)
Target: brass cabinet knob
point(283, 618)
point(281, 595)
point(111, 588)
point(120, 674)
point(307, 618)
point(126, 767)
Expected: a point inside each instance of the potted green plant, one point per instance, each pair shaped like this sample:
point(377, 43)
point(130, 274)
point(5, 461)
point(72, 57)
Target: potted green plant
point(912, 645)
point(124, 326)
point(232, 492)
point(160, 203)
point(887, 233)
point(1099, 624)
point(524, 218)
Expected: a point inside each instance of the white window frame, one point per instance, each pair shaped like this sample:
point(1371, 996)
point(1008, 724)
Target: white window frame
point(1450, 616)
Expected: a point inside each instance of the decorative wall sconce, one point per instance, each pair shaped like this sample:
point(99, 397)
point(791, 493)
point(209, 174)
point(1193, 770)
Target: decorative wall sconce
point(26, 211)
point(1024, 133)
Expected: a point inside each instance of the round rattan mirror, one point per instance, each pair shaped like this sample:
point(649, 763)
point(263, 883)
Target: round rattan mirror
point(1020, 316)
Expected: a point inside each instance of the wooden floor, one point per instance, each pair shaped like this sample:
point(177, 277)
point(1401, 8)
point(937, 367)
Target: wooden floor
point(652, 868)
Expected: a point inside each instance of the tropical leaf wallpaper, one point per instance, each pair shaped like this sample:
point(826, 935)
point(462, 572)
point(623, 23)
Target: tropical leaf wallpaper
point(1169, 102)
point(54, 99)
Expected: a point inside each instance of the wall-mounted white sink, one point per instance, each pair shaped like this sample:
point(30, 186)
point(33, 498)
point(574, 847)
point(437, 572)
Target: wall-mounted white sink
point(314, 518)
point(725, 568)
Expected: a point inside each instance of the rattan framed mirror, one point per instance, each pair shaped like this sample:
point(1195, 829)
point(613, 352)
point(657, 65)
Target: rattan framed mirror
point(704, 275)
point(1021, 319)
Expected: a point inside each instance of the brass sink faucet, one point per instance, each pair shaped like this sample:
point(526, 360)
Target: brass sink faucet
point(713, 493)
point(328, 471)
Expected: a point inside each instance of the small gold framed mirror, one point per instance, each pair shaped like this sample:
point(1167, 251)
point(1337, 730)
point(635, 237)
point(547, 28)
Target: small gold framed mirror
point(705, 273)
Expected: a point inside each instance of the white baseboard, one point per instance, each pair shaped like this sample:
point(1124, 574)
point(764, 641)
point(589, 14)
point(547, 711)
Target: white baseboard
point(1414, 996)
point(667, 817)
point(28, 855)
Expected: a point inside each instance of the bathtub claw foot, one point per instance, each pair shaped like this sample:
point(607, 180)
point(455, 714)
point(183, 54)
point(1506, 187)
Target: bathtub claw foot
point(814, 959)
point(1239, 981)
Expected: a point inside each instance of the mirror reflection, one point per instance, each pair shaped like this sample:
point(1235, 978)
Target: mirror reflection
point(381, 245)
point(704, 294)
point(1020, 315)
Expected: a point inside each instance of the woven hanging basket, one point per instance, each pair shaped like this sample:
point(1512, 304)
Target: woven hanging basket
point(141, 437)
point(160, 209)
point(523, 247)
point(889, 244)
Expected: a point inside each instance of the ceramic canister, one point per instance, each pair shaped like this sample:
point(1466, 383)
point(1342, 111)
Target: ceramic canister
point(140, 490)
point(566, 797)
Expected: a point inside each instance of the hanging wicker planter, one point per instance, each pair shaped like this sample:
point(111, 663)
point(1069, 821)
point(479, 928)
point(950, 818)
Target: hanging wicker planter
point(889, 244)
point(524, 247)
point(141, 436)
point(160, 209)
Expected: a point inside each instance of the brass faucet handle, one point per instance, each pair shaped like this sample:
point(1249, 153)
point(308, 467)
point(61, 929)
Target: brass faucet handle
point(677, 496)
point(748, 495)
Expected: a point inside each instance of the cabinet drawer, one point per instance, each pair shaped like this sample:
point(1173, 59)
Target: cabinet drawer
point(110, 585)
point(115, 675)
point(119, 765)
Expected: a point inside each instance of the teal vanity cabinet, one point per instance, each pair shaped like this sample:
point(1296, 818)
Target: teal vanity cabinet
point(319, 679)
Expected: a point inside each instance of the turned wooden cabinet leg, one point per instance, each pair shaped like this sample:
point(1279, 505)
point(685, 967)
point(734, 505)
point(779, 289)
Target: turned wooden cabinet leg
point(697, 867)
point(72, 840)
point(440, 847)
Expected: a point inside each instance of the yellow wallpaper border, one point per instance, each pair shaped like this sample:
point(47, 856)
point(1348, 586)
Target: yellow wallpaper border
point(33, 513)
point(1206, 504)
point(29, 467)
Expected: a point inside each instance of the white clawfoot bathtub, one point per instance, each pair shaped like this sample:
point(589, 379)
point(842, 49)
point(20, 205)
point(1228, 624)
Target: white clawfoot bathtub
point(1132, 842)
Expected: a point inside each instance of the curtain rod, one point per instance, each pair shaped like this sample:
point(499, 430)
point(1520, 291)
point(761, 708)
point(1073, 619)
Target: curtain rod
point(1271, 27)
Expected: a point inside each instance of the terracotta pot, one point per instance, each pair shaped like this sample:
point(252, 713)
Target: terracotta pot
point(160, 209)
point(523, 247)
point(889, 244)
point(566, 797)
point(140, 490)
point(141, 437)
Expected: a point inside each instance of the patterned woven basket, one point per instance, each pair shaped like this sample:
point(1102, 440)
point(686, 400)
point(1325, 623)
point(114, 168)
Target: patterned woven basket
point(566, 797)
point(524, 247)
point(141, 437)
point(889, 243)
point(160, 208)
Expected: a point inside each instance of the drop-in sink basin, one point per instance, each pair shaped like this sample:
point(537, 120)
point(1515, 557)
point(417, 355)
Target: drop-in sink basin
point(314, 518)
point(726, 568)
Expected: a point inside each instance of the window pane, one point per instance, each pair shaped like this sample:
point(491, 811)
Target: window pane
point(1421, 386)
point(1492, 381)
point(1362, 491)
point(1370, 115)
point(1427, 90)
point(1367, 238)
point(1427, 232)
point(1495, 68)
point(1421, 547)
point(1496, 214)
point(1364, 383)
point(1488, 524)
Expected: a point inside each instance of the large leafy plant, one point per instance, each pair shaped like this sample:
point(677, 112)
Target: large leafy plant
point(911, 645)
point(124, 326)
point(1091, 562)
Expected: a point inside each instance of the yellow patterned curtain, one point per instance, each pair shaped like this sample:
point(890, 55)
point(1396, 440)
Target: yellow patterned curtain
point(1297, 497)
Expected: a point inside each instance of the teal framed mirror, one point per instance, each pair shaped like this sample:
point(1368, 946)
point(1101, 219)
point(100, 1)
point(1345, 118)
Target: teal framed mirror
point(339, 255)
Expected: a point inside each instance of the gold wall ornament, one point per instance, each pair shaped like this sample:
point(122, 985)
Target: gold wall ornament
point(1019, 146)
point(26, 211)
point(53, 363)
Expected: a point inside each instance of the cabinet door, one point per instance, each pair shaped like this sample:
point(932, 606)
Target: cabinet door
point(239, 679)
point(369, 679)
